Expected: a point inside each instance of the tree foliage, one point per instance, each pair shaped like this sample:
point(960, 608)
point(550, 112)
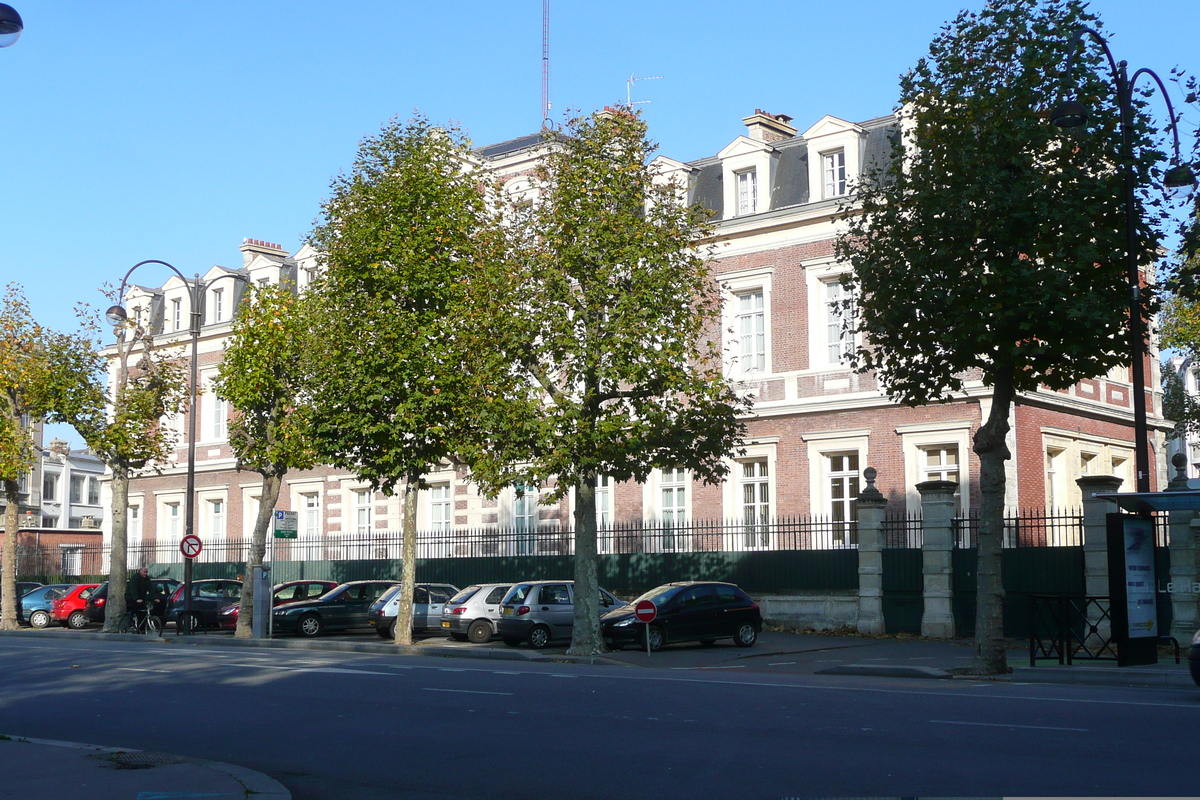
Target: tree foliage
point(43, 377)
point(605, 320)
point(262, 376)
point(991, 245)
point(398, 238)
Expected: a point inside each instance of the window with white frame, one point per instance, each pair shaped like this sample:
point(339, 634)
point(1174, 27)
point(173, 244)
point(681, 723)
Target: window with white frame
point(524, 513)
point(216, 517)
point(218, 305)
point(23, 483)
point(441, 507)
point(216, 426)
point(747, 192)
point(603, 502)
point(177, 314)
point(93, 491)
point(756, 503)
point(843, 477)
point(133, 524)
point(173, 521)
point(833, 169)
point(751, 329)
point(1087, 463)
point(78, 485)
point(1056, 489)
point(673, 490)
point(50, 487)
point(71, 559)
point(363, 511)
point(939, 462)
point(839, 313)
point(310, 509)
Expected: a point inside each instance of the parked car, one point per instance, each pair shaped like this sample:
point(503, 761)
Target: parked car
point(473, 613)
point(209, 596)
point(70, 609)
point(428, 599)
point(34, 608)
point(688, 611)
point(289, 592)
point(23, 588)
point(541, 611)
point(161, 590)
point(1194, 658)
point(344, 608)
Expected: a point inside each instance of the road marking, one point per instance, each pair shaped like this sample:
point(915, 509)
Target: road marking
point(132, 669)
point(781, 664)
point(466, 691)
point(735, 666)
point(557, 675)
point(1007, 725)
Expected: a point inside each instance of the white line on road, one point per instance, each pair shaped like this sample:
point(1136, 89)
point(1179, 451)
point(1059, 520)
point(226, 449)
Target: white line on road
point(132, 669)
point(1007, 725)
point(466, 691)
point(781, 664)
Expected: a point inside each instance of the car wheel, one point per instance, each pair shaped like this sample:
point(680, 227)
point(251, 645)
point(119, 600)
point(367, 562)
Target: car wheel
point(392, 629)
point(460, 637)
point(511, 641)
point(539, 637)
point(480, 631)
point(746, 635)
point(39, 619)
point(309, 625)
point(189, 622)
point(383, 632)
point(657, 638)
point(78, 620)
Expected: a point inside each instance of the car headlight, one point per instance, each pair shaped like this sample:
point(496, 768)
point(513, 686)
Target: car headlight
point(625, 623)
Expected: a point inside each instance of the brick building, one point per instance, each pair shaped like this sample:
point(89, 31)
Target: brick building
point(816, 425)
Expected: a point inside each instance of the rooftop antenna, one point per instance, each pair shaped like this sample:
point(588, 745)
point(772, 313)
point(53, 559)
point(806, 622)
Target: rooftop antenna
point(629, 101)
point(545, 64)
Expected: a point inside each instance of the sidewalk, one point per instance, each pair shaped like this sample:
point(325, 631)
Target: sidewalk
point(47, 768)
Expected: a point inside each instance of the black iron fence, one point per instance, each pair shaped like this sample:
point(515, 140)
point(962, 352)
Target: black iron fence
point(1026, 528)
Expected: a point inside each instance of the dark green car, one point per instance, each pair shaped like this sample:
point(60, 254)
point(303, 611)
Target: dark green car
point(342, 609)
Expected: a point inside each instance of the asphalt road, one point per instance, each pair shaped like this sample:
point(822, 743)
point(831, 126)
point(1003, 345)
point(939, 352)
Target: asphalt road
point(345, 725)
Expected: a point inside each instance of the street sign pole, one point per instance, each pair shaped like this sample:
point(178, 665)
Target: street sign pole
point(646, 612)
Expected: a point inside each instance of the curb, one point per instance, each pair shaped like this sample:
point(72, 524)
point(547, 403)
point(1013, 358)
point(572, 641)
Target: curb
point(1106, 676)
point(263, 787)
point(886, 671)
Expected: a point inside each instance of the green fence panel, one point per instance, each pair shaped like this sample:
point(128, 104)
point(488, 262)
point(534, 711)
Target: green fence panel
point(1027, 571)
point(903, 583)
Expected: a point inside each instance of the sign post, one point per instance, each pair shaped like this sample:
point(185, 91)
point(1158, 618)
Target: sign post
point(646, 612)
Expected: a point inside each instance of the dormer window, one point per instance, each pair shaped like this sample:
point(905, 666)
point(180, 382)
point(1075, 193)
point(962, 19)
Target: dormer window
point(747, 192)
point(177, 314)
point(218, 297)
point(834, 171)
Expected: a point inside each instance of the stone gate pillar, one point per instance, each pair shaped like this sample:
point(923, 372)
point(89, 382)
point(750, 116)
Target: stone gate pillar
point(1095, 543)
point(937, 550)
point(1182, 583)
point(871, 504)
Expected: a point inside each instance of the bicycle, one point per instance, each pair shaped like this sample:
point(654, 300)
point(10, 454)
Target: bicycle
point(141, 622)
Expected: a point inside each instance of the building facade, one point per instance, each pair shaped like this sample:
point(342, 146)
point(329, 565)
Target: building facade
point(774, 193)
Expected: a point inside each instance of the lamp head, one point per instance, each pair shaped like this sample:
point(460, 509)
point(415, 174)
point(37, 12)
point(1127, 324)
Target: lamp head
point(115, 315)
point(1179, 176)
point(10, 25)
point(1069, 114)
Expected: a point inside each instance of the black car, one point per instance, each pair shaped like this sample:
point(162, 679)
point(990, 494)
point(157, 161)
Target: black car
point(161, 590)
point(688, 611)
point(1194, 658)
point(343, 608)
point(209, 596)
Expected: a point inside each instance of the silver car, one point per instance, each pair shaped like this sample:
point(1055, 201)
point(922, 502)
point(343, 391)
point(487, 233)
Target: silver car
point(473, 612)
point(428, 599)
point(541, 611)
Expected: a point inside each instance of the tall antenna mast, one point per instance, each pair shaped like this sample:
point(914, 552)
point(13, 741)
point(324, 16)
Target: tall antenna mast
point(545, 64)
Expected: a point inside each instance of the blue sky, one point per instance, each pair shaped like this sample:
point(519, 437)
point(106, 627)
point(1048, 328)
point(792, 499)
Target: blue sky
point(169, 130)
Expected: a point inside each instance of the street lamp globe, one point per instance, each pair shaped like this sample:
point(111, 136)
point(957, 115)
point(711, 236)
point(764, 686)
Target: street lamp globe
point(1069, 114)
point(115, 315)
point(10, 25)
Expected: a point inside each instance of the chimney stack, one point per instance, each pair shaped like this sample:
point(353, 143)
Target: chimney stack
point(764, 127)
point(257, 247)
point(60, 447)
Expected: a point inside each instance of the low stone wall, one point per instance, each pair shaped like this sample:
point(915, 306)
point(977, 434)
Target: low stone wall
point(817, 610)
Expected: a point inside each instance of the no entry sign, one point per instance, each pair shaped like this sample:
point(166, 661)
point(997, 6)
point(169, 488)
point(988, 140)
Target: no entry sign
point(191, 545)
point(646, 611)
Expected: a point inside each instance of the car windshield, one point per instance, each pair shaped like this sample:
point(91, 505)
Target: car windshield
point(465, 595)
point(659, 596)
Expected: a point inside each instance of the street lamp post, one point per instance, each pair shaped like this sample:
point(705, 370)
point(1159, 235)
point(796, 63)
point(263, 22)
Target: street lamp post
point(116, 315)
point(1072, 114)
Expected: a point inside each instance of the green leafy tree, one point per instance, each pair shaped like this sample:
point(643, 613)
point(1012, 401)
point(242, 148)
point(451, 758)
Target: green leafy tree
point(123, 421)
point(398, 238)
point(606, 320)
point(43, 377)
point(262, 377)
point(991, 246)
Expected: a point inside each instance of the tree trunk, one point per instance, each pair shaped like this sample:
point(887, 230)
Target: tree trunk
point(408, 574)
point(990, 446)
point(258, 549)
point(8, 578)
point(118, 572)
point(586, 641)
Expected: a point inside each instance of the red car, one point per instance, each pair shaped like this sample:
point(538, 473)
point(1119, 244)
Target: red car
point(290, 592)
point(70, 610)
